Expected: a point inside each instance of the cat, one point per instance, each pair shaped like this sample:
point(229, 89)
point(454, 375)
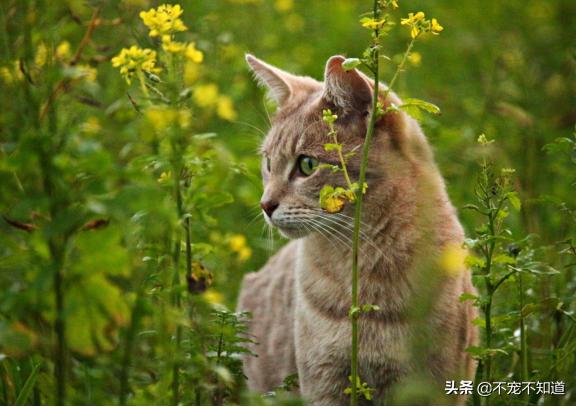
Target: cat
point(300, 299)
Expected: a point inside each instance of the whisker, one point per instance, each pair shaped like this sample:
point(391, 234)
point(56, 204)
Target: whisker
point(320, 232)
point(262, 132)
point(363, 235)
point(328, 229)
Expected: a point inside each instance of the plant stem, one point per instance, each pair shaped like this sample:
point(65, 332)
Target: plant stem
point(358, 214)
point(523, 334)
point(358, 201)
point(59, 328)
point(129, 345)
point(175, 286)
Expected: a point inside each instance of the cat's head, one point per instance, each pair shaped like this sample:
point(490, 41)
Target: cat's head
point(294, 147)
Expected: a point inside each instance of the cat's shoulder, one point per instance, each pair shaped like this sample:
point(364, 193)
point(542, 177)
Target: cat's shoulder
point(274, 278)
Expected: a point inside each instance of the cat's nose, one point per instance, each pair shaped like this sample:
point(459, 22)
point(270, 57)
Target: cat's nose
point(269, 207)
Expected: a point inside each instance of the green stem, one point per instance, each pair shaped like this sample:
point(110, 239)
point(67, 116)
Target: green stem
point(129, 346)
point(358, 201)
point(341, 158)
point(523, 335)
point(59, 328)
point(357, 220)
point(176, 293)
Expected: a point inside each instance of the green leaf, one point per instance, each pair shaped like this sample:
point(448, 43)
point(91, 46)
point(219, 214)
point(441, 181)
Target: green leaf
point(354, 312)
point(479, 321)
point(350, 63)
point(369, 308)
point(333, 147)
point(22, 398)
point(514, 200)
point(472, 261)
point(467, 297)
point(504, 259)
point(410, 104)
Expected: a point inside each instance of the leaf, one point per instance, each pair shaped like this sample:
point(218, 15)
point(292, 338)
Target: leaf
point(333, 147)
point(95, 309)
point(369, 308)
point(413, 107)
point(204, 136)
point(22, 398)
point(350, 63)
point(479, 321)
point(514, 200)
point(472, 261)
point(504, 259)
point(354, 312)
point(467, 297)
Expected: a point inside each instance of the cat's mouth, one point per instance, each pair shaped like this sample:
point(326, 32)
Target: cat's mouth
point(289, 228)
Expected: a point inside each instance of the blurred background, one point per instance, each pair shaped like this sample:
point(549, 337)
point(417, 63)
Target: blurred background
point(502, 68)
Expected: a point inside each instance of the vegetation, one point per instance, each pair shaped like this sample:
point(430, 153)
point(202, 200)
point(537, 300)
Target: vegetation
point(127, 168)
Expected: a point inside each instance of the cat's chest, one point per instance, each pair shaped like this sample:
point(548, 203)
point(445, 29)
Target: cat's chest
point(323, 284)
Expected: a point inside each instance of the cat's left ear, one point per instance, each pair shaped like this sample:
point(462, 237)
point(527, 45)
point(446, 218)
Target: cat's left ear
point(282, 85)
point(346, 89)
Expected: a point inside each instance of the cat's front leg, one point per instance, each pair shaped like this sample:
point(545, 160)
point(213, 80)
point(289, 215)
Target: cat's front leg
point(322, 360)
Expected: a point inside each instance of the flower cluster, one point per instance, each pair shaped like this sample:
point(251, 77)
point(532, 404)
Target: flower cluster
point(164, 20)
point(419, 24)
point(239, 245)
point(133, 60)
point(207, 96)
point(187, 49)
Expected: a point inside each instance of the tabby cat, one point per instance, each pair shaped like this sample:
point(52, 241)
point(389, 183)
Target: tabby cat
point(300, 299)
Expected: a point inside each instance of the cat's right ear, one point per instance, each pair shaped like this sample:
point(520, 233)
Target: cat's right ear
point(278, 82)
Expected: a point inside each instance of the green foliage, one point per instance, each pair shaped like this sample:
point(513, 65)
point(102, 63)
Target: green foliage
point(93, 253)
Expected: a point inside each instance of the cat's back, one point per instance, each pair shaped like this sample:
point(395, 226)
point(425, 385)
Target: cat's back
point(269, 296)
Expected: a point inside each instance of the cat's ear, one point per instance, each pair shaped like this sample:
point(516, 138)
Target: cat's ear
point(349, 90)
point(281, 84)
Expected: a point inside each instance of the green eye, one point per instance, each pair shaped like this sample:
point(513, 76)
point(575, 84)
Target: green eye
point(307, 165)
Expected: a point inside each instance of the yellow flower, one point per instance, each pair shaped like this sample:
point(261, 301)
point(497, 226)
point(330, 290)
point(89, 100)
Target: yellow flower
point(11, 75)
point(91, 125)
point(133, 60)
point(191, 73)
point(174, 47)
point(225, 108)
point(415, 58)
point(394, 4)
point(165, 177)
point(413, 18)
point(41, 55)
point(161, 118)
point(206, 95)
point(452, 259)
point(212, 297)
point(238, 245)
point(192, 54)
point(237, 242)
point(284, 5)
point(436, 28)
point(334, 204)
point(372, 24)
point(63, 51)
point(85, 72)
point(6, 75)
point(163, 20)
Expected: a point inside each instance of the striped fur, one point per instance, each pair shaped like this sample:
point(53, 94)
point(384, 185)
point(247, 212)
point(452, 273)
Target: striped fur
point(301, 298)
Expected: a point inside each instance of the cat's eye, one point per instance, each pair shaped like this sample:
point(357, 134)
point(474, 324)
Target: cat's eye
point(307, 165)
point(268, 164)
